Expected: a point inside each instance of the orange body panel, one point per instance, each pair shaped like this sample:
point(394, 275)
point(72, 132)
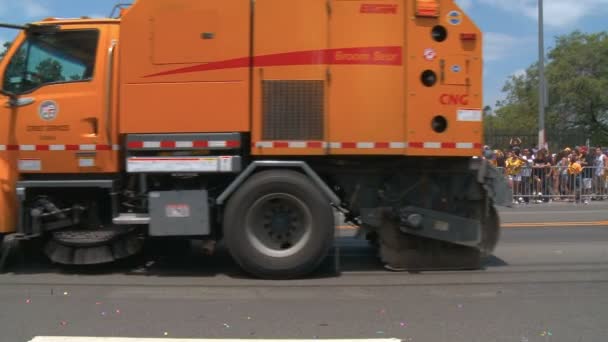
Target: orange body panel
point(186, 68)
point(157, 36)
point(8, 200)
point(422, 103)
point(282, 27)
point(366, 101)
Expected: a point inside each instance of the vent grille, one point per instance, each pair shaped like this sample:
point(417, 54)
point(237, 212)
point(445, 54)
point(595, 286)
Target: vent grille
point(293, 110)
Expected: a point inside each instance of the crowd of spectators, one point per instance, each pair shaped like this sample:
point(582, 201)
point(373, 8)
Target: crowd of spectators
point(537, 175)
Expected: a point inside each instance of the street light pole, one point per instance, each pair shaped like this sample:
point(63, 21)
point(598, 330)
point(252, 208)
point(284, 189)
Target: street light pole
point(542, 91)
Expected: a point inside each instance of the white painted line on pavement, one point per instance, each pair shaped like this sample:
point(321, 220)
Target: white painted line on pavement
point(125, 339)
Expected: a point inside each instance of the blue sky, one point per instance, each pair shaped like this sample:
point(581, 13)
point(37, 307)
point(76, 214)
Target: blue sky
point(510, 27)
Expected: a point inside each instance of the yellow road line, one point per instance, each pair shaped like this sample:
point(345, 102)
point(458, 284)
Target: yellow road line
point(530, 225)
point(555, 224)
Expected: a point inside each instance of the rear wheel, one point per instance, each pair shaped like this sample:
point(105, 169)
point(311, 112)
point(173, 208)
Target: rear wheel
point(278, 225)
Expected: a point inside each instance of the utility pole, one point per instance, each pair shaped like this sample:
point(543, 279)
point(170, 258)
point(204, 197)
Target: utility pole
point(542, 90)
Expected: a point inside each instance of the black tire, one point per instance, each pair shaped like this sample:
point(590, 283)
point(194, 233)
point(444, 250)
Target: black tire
point(290, 204)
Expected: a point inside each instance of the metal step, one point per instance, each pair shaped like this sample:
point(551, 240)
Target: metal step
point(132, 219)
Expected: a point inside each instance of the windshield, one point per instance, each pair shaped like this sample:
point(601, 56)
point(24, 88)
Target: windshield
point(67, 56)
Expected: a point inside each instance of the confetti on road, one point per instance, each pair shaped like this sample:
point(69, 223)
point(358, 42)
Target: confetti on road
point(117, 311)
point(546, 333)
point(226, 325)
point(403, 324)
point(248, 318)
point(63, 323)
point(103, 313)
point(65, 293)
point(98, 303)
point(460, 306)
point(27, 301)
point(380, 332)
point(166, 333)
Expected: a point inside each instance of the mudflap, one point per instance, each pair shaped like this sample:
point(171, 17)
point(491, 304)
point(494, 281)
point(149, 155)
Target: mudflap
point(494, 182)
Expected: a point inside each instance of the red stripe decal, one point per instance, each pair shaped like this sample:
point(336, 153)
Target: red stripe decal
point(314, 144)
point(448, 145)
point(42, 147)
point(135, 144)
point(12, 147)
point(167, 144)
point(200, 144)
point(378, 9)
point(349, 145)
point(72, 147)
point(382, 145)
point(103, 147)
point(478, 146)
point(233, 143)
point(417, 145)
point(281, 144)
point(382, 55)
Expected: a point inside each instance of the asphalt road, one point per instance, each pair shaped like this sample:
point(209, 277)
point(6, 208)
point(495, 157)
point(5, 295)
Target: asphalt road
point(547, 282)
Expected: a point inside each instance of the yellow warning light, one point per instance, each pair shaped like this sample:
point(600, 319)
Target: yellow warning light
point(427, 8)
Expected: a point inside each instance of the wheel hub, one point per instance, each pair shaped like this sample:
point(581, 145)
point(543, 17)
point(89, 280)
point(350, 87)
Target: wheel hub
point(278, 224)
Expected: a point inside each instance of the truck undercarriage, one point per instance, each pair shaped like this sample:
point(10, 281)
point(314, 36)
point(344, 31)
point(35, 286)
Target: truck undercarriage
point(421, 213)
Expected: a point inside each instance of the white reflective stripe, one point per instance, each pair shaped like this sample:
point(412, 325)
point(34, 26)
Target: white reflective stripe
point(366, 145)
point(298, 144)
point(87, 147)
point(184, 144)
point(27, 147)
point(57, 148)
point(128, 339)
point(397, 145)
point(433, 145)
point(151, 144)
point(264, 144)
point(217, 143)
point(116, 147)
point(464, 145)
point(335, 145)
point(2, 147)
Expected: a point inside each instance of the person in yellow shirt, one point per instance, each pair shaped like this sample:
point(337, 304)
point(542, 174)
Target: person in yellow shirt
point(575, 170)
point(514, 165)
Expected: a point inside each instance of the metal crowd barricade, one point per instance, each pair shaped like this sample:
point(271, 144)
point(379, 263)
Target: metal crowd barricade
point(557, 184)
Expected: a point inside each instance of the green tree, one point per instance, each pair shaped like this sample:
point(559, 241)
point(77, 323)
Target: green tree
point(577, 77)
point(6, 46)
point(49, 70)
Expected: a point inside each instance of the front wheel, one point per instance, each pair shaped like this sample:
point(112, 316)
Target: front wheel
point(278, 225)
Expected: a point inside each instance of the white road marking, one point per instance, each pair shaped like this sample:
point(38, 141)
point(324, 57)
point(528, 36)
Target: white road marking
point(125, 339)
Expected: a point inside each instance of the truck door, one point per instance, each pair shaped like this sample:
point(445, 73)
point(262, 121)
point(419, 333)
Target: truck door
point(59, 118)
point(367, 85)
